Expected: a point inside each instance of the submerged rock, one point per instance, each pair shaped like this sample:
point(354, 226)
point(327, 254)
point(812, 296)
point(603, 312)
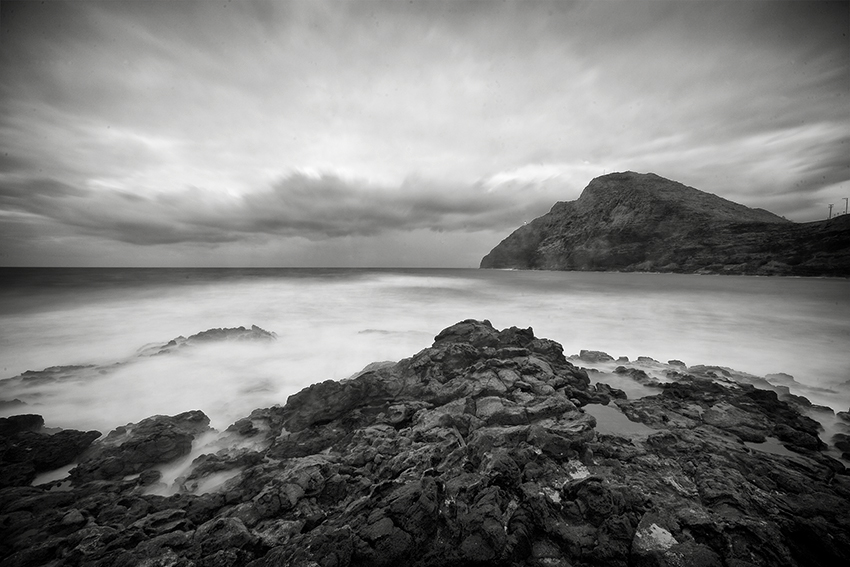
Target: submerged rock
point(239, 334)
point(475, 451)
point(27, 384)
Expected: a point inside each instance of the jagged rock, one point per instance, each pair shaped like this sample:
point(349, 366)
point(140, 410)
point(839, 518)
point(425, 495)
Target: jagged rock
point(595, 356)
point(133, 448)
point(26, 449)
point(27, 453)
point(610, 392)
point(638, 375)
point(18, 423)
point(50, 375)
point(477, 450)
point(240, 334)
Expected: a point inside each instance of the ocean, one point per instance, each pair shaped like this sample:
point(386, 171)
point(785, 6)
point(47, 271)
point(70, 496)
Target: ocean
point(330, 323)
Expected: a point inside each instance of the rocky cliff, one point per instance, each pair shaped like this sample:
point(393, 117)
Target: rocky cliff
point(643, 222)
point(488, 448)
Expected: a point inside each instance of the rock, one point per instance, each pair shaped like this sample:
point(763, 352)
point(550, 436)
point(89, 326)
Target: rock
point(638, 375)
point(474, 451)
point(222, 534)
point(781, 378)
point(232, 334)
point(19, 423)
point(73, 518)
point(642, 222)
point(653, 538)
point(594, 356)
point(134, 448)
point(841, 441)
point(238, 334)
point(50, 375)
point(610, 392)
point(26, 450)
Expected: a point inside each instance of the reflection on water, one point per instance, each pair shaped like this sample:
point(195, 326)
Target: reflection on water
point(55, 474)
point(771, 445)
point(331, 323)
point(611, 421)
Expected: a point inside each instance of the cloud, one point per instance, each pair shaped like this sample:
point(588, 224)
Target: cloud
point(315, 207)
point(216, 123)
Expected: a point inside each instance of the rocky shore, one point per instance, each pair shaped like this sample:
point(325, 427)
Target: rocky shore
point(488, 448)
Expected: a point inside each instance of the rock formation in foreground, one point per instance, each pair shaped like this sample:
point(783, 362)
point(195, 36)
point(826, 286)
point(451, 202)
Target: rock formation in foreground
point(480, 450)
point(643, 222)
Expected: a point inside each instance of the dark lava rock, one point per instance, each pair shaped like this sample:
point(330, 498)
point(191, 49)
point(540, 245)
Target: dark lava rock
point(476, 451)
point(133, 448)
point(49, 375)
point(638, 375)
point(239, 334)
point(593, 356)
point(642, 222)
point(26, 449)
point(19, 423)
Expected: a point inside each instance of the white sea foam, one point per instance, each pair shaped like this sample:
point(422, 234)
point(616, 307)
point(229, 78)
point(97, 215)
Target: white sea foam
point(330, 324)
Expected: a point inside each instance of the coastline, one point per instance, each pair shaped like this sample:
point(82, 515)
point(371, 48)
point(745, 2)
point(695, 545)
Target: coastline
point(476, 449)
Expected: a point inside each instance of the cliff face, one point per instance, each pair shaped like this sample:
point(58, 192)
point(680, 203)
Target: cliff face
point(488, 448)
point(643, 222)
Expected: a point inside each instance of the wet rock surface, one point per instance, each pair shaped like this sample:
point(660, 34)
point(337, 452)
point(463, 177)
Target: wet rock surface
point(134, 448)
point(476, 451)
point(26, 449)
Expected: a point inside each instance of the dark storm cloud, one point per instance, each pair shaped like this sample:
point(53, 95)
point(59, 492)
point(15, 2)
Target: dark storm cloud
point(38, 196)
point(315, 208)
point(329, 206)
point(424, 116)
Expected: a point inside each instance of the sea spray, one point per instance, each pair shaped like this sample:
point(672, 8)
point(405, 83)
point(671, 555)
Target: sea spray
point(332, 323)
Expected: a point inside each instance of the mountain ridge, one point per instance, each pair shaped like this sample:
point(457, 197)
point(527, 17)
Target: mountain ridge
point(643, 222)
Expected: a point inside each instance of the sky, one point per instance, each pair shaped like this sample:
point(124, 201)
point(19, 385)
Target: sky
point(396, 134)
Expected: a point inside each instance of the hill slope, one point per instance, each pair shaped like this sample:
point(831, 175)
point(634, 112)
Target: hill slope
point(642, 222)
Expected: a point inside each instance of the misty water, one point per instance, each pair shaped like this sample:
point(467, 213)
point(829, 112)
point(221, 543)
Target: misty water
point(330, 323)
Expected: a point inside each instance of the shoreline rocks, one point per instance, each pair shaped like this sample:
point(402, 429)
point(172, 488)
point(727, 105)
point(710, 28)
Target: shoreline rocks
point(27, 450)
point(477, 450)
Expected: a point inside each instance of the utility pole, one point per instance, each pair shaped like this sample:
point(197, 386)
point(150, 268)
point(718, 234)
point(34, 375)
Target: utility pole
point(845, 205)
point(830, 211)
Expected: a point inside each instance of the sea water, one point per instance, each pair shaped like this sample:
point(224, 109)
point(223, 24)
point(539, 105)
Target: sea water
point(330, 323)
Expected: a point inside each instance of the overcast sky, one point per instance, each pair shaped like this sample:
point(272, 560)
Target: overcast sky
point(392, 133)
